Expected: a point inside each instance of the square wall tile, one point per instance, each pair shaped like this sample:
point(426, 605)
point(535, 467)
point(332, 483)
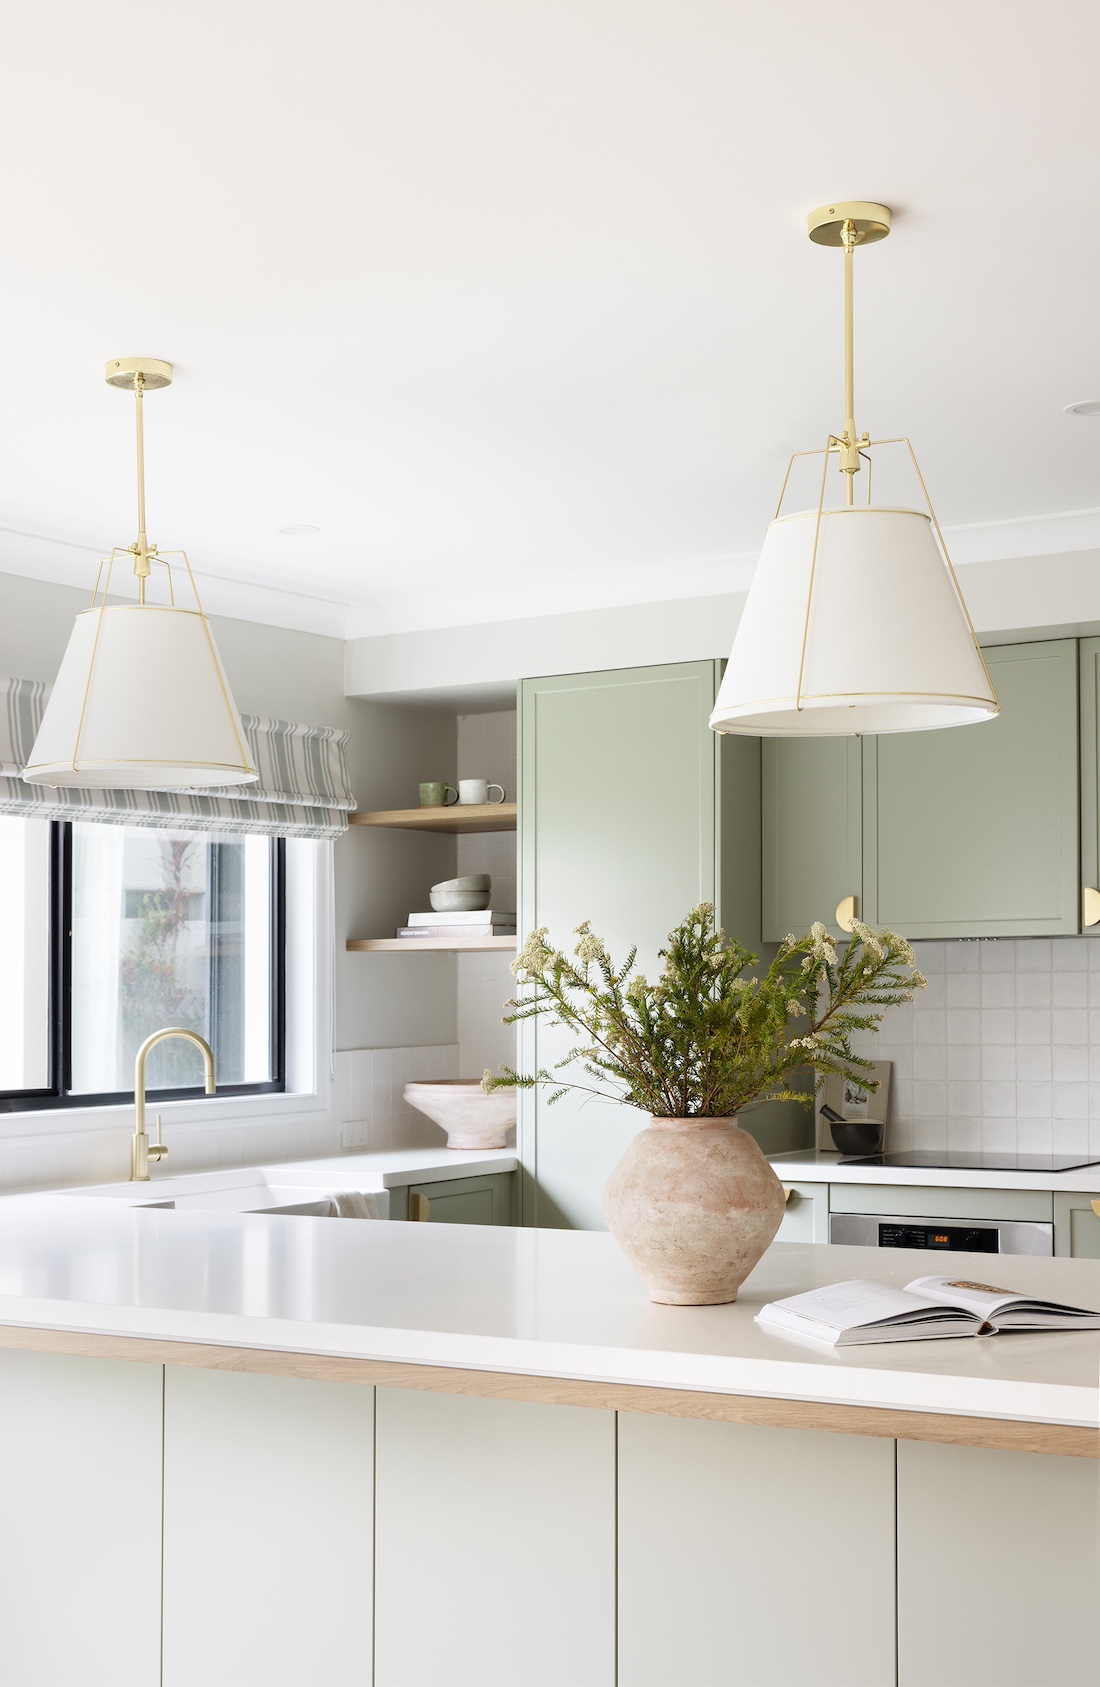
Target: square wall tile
point(963, 990)
point(1033, 1063)
point(1033, 954)
point(964, 1060)
point(1069, 954)
point(1069, 989)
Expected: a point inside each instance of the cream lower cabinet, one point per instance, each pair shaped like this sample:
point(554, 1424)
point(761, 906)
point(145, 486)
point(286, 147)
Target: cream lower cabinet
point(495, 1534)
point(754, 1557)
point(80, 1473)
point(268, 1531)
point(998, 1568)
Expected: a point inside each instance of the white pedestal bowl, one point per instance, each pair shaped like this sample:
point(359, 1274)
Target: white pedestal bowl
point(470, 1118)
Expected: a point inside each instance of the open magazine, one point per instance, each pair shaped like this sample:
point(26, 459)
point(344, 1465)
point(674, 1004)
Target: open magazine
point(856, 1312)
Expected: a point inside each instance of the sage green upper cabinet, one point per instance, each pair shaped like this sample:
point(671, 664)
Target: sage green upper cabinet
point(811, 832)
point(973, 831)
point(623, 821)
point(1090, 772)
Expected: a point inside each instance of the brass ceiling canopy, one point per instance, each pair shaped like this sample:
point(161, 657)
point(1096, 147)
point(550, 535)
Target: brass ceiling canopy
point(869, 222)
point(123, 372)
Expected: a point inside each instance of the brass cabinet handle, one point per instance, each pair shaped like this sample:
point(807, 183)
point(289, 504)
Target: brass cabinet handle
point(1090, 906)
point(420, 1209)
point(846, 912)
point(787, 1193)
point(1096, 1208)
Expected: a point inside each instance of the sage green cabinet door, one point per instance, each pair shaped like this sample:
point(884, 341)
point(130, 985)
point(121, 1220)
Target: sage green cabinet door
point(972, 831)
point(468, 1200)
point(811, 832)
point(1089, 658)
point(1076, 1225)
point(998, 1575)
point(754, 1557)
point(618, 818)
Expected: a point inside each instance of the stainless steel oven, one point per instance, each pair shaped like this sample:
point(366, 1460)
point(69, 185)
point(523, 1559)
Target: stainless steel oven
point(948, 1235)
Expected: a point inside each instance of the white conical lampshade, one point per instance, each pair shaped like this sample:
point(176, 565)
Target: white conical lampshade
point(141, 702)
point(886, 645)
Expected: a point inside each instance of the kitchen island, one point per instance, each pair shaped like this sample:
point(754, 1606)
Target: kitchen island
point(255, 1449)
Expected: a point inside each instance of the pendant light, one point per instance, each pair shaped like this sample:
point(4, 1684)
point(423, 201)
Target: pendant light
point(141, 701)
point(854, 620)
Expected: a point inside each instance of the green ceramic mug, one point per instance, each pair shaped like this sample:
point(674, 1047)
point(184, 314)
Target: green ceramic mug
point(434, 794)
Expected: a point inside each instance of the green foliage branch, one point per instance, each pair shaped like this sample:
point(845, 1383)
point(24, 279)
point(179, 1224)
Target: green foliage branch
point(709, 1038)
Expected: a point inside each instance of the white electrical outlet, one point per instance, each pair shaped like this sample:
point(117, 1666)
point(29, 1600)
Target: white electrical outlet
point(353, 1134)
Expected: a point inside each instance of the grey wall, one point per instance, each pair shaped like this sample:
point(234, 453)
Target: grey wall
point(381, 1000)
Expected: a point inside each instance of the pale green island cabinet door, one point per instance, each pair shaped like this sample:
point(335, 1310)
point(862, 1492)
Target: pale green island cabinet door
point(631, 812)
point(811, 832)
point(973, 831)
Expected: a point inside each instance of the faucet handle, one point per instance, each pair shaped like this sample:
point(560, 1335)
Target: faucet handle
point(157, 1149)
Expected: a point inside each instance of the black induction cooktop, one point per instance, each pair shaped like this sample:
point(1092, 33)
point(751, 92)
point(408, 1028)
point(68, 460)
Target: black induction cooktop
point(932, 1160)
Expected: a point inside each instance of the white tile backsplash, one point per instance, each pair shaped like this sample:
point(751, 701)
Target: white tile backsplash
point(368, 1089)
point(1001, 1052)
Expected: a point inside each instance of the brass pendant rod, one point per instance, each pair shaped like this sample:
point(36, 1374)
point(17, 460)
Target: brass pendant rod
point(141, 548)
point(850, 458)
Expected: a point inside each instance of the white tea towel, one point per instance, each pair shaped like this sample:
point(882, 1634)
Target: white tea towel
point(349, 1203)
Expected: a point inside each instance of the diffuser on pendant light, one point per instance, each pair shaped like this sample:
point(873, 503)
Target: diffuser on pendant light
point(141, 701)
point(854, 621)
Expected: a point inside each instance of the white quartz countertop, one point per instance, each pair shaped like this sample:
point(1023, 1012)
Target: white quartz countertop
point(808, 1166)
point(248, 1188)
point(541, 1302)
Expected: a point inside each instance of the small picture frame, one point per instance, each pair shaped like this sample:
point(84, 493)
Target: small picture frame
point(855, 1104)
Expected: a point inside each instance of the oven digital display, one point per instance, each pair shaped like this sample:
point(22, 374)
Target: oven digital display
point(947, 1238)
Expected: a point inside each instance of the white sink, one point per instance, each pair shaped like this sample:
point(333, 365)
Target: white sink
point(246, 1189)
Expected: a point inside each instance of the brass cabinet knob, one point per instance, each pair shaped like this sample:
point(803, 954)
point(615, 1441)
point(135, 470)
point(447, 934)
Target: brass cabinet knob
point(420, 1208)
point(1096, 1208)
point(1090, 906)
point(846, 912)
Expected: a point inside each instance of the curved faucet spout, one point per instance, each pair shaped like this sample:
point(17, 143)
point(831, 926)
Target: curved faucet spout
point(139, 1142)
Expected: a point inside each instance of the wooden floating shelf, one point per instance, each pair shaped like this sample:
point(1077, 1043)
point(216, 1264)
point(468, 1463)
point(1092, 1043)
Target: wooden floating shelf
point(460, 817)
point(417, 945)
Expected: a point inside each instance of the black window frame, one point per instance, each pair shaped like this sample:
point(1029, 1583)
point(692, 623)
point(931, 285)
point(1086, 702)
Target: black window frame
point(57, 1095)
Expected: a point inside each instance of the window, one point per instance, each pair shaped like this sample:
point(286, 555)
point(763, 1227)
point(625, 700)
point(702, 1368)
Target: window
point(108, 933)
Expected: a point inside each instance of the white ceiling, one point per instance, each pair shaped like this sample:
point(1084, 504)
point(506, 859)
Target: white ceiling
point(513, 298)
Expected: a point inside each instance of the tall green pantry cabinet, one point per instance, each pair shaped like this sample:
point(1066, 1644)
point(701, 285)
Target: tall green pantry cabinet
point(631, 812)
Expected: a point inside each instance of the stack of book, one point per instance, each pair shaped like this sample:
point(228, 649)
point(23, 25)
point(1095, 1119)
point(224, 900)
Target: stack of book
point(481, 923)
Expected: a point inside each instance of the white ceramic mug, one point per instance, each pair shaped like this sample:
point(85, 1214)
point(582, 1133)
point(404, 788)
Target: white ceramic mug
point(477, 790)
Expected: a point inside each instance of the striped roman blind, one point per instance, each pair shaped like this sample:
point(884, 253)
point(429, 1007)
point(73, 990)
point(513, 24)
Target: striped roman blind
point(302, 791)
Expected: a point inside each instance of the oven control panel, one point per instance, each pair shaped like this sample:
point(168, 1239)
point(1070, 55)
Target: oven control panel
point(946, 1238)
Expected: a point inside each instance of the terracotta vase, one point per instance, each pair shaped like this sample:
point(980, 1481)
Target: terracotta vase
point(693, 1204)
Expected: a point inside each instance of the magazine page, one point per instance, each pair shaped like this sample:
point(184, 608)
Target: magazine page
point(855, 1303)
point(999, 1306)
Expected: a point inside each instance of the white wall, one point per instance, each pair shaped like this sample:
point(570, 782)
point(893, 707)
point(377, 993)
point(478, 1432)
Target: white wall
point(1009, 599)
point(487, 750)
